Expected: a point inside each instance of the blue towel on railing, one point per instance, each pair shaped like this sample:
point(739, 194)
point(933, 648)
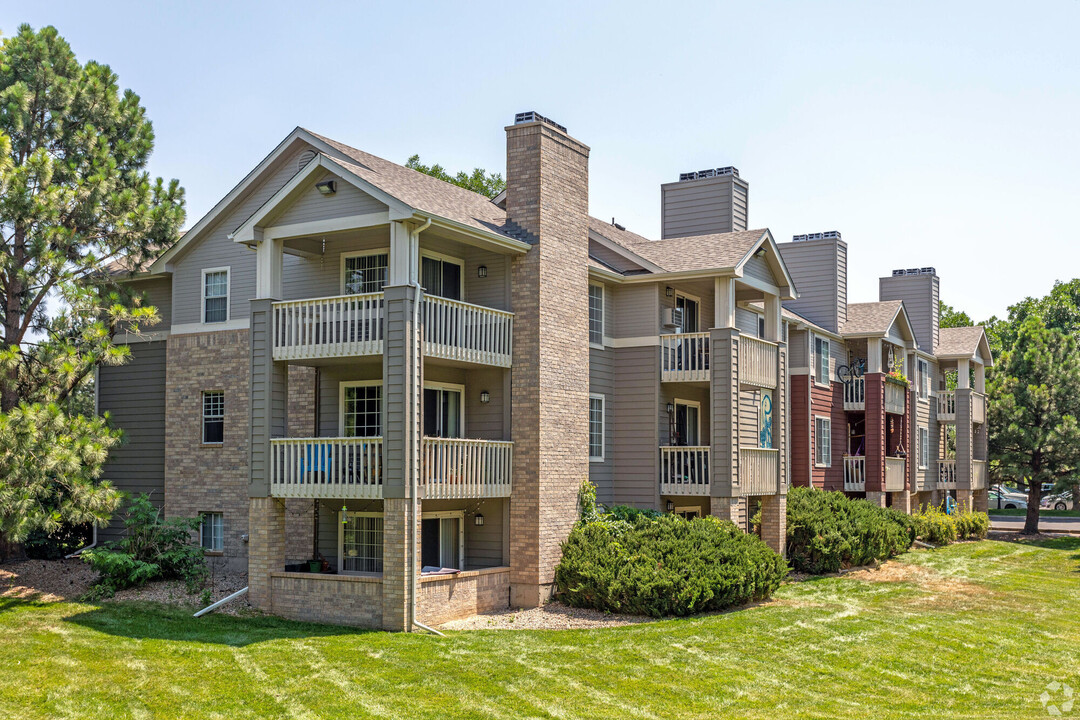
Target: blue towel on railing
point(316, 459)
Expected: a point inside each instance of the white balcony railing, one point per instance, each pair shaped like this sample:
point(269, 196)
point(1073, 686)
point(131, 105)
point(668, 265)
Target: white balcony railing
point(456, 330)
point(854, 473)
point(946, 474)
point(978, 408)
point(978, 475)
point(946, 407)
point(684, 357)
point(759, 470)
point(342, 326)
point(341, 468)
point(684, 470)
point(895, 398)
point(855, 394)
point(895, 474)
point(757, 362)
point(456, 468)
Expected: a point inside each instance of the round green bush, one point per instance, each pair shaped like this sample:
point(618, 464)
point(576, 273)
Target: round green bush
point(664, 565)
point(935, 527)
point(827, 531)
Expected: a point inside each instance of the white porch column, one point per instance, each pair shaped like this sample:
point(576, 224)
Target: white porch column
point(873, 355)
point(404, 255)
point(725, 303)
point(963, 374)
point(268, 262)
point(772, 317)
point(980, 378)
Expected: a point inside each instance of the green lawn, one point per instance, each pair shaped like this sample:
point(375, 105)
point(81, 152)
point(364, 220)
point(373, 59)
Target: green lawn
point(1022, 512)
point(975, 630)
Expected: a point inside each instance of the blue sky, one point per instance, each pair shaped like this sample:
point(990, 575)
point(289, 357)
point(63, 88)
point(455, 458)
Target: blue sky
point(939, 134)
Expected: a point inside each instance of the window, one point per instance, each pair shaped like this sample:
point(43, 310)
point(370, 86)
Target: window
point(690, 311)
point(212, 532)
point(361, 409)
point(924, 447)
point(441, 277)
point(596, 315)
point(761, 327)
point(687, 423)
point(443, 411)
point(924, 379)
point(596, 428)
point(442, 540)
point(361, 542)
point(216, 295)
point(822, 441)
point(213, 417)
point(688, 513)
point(821, 352)
point(364, 273)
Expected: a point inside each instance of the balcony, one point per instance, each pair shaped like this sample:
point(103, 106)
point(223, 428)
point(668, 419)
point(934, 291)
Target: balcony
point(684, 470)
point(758, 470)
point(351, 468)
point(757, 362)
point(854, 473)
point(946, 475)
point(684, 357)
point(353, 325)
point(895, 397)
point(855, 394)
point(946, 407)
point(978, 475)
point(895, 474)
point(978, 408)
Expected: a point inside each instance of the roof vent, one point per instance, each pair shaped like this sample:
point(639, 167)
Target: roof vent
point(616, 225)
point(714, 172)
point(827, 235)
point(532, 116)
point(914, 271)
point(305, 157)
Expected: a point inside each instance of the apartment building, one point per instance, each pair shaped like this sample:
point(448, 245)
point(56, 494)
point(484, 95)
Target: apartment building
point(407, 383)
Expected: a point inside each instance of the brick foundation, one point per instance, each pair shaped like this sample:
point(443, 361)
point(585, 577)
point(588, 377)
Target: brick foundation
point(876, 498)
point(733, 509)
point(335, 599)
point(443, 598)
point(267, 549)
point(774, 522)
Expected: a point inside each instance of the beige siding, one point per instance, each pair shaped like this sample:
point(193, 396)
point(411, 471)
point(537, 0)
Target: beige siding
point(819, 270)
point(920, 294)
point(759, 269)
point(602, 382)
point(634, 311)
point(702, 207)
point(157, 293)
point(313, 205)
point(635, 441)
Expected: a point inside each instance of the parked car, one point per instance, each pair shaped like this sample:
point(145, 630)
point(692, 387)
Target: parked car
point(1006, 501)
point(1057, 501)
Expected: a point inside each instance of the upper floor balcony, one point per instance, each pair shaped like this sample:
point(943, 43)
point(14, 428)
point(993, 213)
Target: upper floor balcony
point(685, 357)
point(684, 470)
point(946, 407)
point(354, 325)
point(855, 396)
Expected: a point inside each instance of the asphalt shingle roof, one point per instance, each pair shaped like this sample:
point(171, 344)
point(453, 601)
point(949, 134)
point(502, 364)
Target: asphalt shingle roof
point(959, 341)
point(698, 252)
point(871, 317)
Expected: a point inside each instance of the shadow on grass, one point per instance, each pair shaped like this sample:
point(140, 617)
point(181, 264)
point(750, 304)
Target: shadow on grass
point(142, 621)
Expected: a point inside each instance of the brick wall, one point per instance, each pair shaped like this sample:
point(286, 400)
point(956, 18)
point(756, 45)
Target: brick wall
point(299, 514)
point(200, 477)
point(334, 599)
point(443, 598)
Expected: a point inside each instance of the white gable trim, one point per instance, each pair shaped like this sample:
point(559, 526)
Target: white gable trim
point(786, 287)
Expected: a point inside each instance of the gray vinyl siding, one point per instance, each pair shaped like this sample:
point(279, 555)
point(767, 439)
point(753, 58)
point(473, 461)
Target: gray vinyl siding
point(748, 418)
point(611, 258)
point(635, 311)
point(702, 207)
point(920, 294)
point(758, 268)
point(819, 271)
point(669, 393)
point(313, 205)
point(488, 421)
point(321, 276)
point(215, 249)
point(494, 290)
point(746, 321)
point(634, 409)
point(797, 356)
point(134, 395)
point(158, 293)
point(704, 291)
point(602, 382)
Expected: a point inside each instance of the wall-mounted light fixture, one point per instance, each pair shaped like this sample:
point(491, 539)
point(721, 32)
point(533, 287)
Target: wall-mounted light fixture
point(485, 397)
point(327, 187)
point(478, 520)
point(760, 253)
point(670, 506)
point(481, 271)
point(669, 291)
point(670, 408)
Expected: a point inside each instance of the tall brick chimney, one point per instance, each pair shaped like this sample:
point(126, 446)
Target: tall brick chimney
point(547, 205)
point(818, 265)
point(704, 202)
point(920, 290)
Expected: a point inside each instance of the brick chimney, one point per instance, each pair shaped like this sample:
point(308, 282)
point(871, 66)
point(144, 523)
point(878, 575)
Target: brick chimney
point(818, 265)
point(919, 288)
point(547, 205)
point(704, 202)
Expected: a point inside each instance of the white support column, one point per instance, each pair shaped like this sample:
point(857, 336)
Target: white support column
point(873, 355)
point(772, 317)
point(980, 378)
point(268, 264)
point(963, 374)
point(725, 303)
point(404, 255)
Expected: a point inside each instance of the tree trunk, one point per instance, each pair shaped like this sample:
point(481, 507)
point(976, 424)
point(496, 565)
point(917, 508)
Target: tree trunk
point(1075, 490)
point(1031, 523)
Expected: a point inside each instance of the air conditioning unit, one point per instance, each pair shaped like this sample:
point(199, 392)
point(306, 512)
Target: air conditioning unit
point(673, 318)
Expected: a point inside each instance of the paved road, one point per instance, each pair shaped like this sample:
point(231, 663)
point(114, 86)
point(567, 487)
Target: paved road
point(1046, 524)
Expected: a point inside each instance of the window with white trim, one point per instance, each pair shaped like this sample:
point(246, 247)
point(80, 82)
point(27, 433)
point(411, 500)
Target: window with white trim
point(212, 532)
point(364, 273)
point(361, 409)
point(822, 441)
point(924, 447)
point(924, 379)
point(596, 315)
point(596, 428)
point(215, 295)
point(213, 417)
point(361, 542)
point(821, 354)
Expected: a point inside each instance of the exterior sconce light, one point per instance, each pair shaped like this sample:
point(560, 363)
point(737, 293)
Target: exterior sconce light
point(670, 506)
point(327, 187)
point(479, 519)
point(760, 253)
point(669, 291)
point(670, 408)
point(485, 397)
point(481, 271)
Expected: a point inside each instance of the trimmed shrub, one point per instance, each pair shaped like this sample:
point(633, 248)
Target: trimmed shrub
point(828, 531)
point(661, 565)
point(152, 549)
point(978, 524)
point(935, 527)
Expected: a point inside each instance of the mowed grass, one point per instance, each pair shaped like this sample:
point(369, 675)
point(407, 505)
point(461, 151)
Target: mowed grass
point(975, 630)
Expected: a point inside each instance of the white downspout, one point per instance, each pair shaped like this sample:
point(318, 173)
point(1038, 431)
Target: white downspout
point(412, 419)
point(92, 544)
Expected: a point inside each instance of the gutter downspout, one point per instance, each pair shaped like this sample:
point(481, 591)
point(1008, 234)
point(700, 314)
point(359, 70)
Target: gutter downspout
point(412, 419)
point(93, 543)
